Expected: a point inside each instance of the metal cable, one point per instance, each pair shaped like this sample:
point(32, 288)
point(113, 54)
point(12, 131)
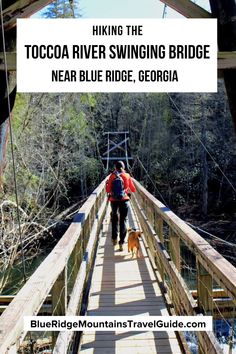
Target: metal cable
point(200, 141)
point(193, 226)
point(164, 11)
point(151, 180)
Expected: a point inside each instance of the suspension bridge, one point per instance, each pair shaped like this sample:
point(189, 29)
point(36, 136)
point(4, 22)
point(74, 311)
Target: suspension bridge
point(179, 273)
point(84, 261)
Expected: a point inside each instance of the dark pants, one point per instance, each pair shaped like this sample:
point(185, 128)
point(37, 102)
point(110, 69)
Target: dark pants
point(122, 207)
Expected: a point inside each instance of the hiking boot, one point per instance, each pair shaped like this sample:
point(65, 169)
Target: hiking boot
point(114, 241)
point(121, 248)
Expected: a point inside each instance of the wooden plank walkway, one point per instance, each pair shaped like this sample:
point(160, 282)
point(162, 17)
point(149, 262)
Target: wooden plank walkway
point(122, 286)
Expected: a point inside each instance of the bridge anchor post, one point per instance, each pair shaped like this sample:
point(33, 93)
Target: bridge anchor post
point(175, 249)
point(205, 299)
point(204, 290)
point(158, 227)
point(59, 299)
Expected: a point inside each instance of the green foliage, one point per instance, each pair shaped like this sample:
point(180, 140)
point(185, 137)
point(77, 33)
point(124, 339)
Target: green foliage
point(61, 9)
point(88, 98)
point(20, 111)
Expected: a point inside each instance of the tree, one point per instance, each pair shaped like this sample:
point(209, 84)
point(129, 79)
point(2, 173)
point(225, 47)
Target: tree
point(62, 9)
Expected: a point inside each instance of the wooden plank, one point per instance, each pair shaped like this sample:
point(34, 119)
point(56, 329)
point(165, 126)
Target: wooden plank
point(227, 60)
point(208, 343)
point(125, 302)
point(127, 294)
point(129, 279)
point(137, 288)
point(129, 311)
point(136, 346)
point(123, 277)
point(110, 289)
point(172, 345)
point(224, 64)
point(125, 286)
point(221, 305)
point(187, 8)
point(11, 61)
point(216, 293)
point(123, 350)
point(127, 335)
point(6, 299)
point(122, 260)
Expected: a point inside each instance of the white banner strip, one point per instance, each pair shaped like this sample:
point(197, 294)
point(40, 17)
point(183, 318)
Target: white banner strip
point(120, 323)
point(117, 55)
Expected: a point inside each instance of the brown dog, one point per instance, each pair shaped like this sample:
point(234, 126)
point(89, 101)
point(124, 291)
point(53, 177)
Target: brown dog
point(133, 242)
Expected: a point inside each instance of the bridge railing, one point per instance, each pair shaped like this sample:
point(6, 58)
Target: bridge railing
point(63, 274)
point(165, 233)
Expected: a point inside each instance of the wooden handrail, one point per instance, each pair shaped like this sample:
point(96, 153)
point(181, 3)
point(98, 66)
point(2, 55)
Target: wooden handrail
point(187, 8)
point(210, 264)
point(32, 295)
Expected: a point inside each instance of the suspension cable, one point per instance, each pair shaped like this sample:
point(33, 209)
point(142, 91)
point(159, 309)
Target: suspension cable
point(164, 13)
point(191, 225)
point(151, 180)
point(211, 235)
point(126, 153)
point(200, 141)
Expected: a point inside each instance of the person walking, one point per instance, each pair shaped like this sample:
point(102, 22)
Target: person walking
point(118, 186)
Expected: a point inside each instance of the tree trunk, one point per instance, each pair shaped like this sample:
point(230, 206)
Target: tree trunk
point(6, 103)
point(204, 165)
point(225, 12)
